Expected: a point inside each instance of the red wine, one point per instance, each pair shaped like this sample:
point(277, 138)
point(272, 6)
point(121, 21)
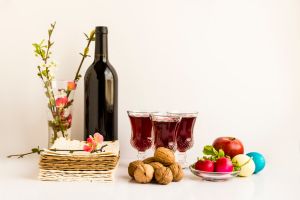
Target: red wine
point(165, 134)
point(101, 92)
point(141, 137)
point(185, 133)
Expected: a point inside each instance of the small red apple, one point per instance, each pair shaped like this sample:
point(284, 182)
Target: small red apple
point(230, 145)
point(205, 165)
point(223, 165)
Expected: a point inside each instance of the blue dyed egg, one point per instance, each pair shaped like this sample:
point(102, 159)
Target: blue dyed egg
point(259, 161)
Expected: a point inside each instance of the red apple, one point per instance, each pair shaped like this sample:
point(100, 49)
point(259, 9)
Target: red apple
point(230, 145)
point(205, 165)
point(223, 165)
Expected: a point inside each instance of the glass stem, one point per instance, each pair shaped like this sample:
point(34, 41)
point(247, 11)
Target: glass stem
point(141, 155)
point(182, 159)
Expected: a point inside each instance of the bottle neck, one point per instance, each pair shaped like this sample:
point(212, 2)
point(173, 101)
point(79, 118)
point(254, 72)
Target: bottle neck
point(101, 53)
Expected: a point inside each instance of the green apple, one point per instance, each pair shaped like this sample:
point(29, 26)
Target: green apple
point(246, 163)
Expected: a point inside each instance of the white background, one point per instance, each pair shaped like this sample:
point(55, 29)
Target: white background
point(235, 61)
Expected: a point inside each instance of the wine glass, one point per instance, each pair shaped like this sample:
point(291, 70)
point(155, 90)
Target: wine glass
point(184, 135)
point(141, 132)
point(164, 128)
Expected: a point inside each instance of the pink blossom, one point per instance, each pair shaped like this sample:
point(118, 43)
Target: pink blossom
point(98, 138)
point(89, 140)
point(87, 148)
point(93, 142)
point(61, 101)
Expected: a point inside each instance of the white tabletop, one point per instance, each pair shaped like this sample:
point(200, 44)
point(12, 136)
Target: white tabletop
point(18, 180)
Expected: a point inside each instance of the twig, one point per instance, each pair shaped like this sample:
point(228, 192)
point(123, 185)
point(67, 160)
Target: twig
point(79, 150)
point(38, 151)
point(33, 151)
point(49, 41)
point(84, 55)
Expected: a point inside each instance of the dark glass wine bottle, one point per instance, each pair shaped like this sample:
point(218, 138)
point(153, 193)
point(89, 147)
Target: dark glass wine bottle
point(101, 92)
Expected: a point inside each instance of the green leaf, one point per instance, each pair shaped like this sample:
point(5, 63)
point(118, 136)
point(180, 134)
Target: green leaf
point(35, 150)
point(87, 37)
point(52, 101)
point(208, 150)
point(53, 25)
point(43, 53)
point(78, 77)
point(215, 152)
point(41, 43)
point(47, 94)
point(236, 166)
point(35, 45)
point(37, 49)
point(44, 72)
point(221, 153)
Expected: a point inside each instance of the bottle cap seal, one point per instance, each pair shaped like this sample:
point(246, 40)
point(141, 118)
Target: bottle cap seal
point(101, 29)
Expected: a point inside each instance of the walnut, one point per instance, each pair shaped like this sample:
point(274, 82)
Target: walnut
point(149, 160)
point(132, 167)
point(164, 156)
point(176, 171)
point(156, 165)
point(143, 173)
point(163, 175)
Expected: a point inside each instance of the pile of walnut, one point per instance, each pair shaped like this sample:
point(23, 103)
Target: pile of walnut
point(161, 168)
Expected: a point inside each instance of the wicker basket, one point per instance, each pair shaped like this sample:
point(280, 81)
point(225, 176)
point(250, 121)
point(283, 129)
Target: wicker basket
point(79, 165)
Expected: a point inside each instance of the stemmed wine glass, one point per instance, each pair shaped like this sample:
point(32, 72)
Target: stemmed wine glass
point(164, 129)
point(141, 132)
point(184, 135)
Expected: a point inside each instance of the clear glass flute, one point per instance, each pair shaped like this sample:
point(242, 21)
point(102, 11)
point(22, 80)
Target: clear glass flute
point(164, 129)
point(141, 132)
point(185, 135)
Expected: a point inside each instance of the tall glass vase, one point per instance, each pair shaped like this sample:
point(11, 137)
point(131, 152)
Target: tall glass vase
point(60, 102)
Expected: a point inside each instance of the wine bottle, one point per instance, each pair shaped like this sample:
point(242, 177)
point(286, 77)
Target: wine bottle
point(101, 92)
